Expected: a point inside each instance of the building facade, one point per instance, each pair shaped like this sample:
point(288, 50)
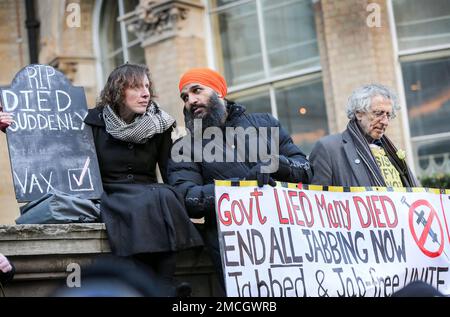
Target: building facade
point(297, 59)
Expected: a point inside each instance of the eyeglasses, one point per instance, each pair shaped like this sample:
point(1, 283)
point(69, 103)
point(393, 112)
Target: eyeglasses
point(380, 114)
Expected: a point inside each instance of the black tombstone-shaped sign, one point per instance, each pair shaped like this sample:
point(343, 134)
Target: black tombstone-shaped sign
point(50, 147)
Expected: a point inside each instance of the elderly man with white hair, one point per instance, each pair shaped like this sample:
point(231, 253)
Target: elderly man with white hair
point(363, 155)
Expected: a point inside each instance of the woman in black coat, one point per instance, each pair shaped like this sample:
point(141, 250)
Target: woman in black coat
point(145, 220)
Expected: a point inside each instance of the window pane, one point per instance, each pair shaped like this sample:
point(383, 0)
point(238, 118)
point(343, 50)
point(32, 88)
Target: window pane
point(290, 35)
point(118, 59)
point(112, 50)
point(433, 157)
point(422, 23)
point(240, 44)
point(427, 89)
point(256, 103)
point(117, 39)
point(219, 3)
point(136, 54)
point(301, 110)
point(110, 63)
point(130, 5)
point(109, 28)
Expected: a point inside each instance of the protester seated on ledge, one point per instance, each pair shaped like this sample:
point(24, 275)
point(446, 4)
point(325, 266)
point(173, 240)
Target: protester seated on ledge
point(6, 270)
point(145, 220)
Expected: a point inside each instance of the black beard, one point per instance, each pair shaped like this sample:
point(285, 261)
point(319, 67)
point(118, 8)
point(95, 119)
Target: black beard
point(214, 117)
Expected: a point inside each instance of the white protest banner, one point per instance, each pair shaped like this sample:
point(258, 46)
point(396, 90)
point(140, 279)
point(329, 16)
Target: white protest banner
point(289, 241)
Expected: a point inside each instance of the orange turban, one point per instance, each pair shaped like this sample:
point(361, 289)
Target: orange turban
point(206, 77)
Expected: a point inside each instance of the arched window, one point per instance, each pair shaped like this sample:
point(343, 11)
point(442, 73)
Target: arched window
point(115, 44)
point(423, 40)
point(269, 55)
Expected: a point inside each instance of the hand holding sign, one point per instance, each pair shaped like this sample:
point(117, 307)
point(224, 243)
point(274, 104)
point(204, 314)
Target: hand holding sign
point(6, 120)
point(49, 145)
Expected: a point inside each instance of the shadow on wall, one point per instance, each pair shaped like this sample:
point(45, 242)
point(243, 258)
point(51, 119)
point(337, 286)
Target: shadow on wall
point(111, 276)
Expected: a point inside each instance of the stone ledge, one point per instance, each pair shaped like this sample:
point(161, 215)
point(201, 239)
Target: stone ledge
point(42, 253)
point(53, 239)
point(48, 229)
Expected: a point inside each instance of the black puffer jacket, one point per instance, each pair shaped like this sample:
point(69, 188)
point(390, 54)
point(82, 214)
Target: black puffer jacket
point(195, 180)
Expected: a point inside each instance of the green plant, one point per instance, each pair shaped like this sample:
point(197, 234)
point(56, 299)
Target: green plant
point(436, 181)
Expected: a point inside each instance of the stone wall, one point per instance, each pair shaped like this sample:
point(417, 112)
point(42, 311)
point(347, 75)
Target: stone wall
point(69, 48)
point(352, 54)
point(42, 253)
point(13, 57)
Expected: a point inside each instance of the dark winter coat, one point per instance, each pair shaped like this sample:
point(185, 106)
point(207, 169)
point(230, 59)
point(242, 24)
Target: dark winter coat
point(195, 180)
point(141, 216)
point(336, 162)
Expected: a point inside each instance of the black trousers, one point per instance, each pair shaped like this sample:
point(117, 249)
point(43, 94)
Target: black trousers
point(211, 239)
point(162, 266)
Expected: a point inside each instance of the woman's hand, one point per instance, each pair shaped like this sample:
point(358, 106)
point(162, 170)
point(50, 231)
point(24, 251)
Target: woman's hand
point(5, 266)
point(6, 120)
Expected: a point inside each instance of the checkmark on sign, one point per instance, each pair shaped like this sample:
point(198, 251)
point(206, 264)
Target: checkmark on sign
point(80, 178)
point(79, 181)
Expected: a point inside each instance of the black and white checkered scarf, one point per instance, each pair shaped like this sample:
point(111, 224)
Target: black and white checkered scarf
point(143, 127)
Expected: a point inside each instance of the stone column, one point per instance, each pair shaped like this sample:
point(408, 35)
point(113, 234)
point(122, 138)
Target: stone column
point(172, 33)
point(69, 47)
point(352, 54)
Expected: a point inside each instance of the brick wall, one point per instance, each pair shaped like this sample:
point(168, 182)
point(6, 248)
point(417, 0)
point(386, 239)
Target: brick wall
point(352, 54)
point(70, 49)
point(13, 56)
point(167, 61)
point(13, 39)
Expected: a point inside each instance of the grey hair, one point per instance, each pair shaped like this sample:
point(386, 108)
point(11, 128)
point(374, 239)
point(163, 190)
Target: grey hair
point(361, 99)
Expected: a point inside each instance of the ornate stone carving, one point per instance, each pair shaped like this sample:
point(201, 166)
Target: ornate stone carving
point(153, 21)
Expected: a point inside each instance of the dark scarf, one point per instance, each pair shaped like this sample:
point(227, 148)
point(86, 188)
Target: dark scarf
point(363, 150)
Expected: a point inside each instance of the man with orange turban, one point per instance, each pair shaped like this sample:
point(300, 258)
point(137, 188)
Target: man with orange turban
point(203, 92)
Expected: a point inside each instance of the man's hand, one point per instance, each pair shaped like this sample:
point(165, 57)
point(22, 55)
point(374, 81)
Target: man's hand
point(5, 266)
point(262, 178)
